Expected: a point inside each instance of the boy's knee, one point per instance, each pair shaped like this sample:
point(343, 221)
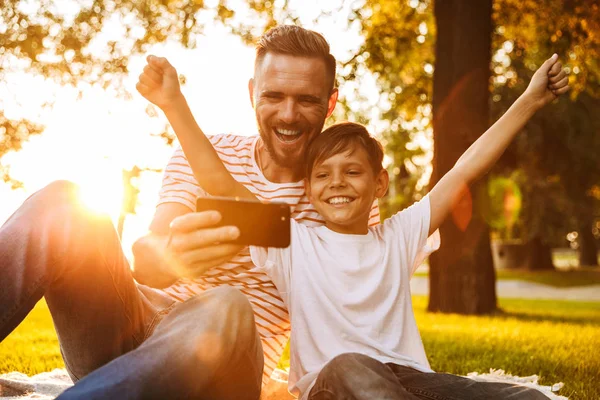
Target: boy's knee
point(344, 366)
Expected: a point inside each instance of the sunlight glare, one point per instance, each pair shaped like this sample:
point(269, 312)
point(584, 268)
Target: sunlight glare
point(101, 195)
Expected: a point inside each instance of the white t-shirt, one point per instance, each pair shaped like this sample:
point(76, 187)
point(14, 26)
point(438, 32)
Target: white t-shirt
point(238, 156)
point(351, 293)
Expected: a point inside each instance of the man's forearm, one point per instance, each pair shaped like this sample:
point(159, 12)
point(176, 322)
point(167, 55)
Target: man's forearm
point(208, 168)
point(486, 150)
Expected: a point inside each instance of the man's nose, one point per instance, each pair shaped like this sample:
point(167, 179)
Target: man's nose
point(289, 111)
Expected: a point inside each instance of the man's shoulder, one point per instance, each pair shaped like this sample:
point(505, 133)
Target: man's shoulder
point(232, 141)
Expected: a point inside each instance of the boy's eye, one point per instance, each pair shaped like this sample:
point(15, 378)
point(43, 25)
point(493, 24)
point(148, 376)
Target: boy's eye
point(353, 172)
point(321, 175)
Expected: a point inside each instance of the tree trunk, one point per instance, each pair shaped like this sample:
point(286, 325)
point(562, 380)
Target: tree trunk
point(540, 255)
point(588, 253)
point(121, 224)
point(462, 278)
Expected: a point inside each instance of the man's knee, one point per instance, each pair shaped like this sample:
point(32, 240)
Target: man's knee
point(231, 303)
point(222, 312)
point(214, 327)
point(59, 190)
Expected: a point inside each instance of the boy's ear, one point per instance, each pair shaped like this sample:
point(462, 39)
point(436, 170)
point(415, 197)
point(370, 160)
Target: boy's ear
point(251, 90)
point(333, 97)
point(382, 181)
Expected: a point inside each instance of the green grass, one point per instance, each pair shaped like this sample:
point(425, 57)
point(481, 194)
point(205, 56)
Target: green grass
point(557, 278)
point(32, 347)
point(557, 340)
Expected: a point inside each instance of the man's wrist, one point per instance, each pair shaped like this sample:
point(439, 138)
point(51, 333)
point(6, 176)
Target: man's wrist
point(177, 103)
point(152, 262)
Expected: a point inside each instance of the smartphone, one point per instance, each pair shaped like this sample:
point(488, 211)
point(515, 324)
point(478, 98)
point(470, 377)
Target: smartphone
point(260, 224)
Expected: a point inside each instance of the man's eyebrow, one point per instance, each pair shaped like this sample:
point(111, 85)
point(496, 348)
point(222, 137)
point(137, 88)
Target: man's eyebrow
point(309, 97)
point(270, 93)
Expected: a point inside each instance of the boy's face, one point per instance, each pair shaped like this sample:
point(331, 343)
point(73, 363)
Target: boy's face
point(343, 187)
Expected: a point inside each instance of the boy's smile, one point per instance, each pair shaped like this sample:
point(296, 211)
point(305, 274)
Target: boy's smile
point(343, 187)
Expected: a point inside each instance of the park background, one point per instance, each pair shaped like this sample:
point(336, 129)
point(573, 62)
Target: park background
point(426, 77)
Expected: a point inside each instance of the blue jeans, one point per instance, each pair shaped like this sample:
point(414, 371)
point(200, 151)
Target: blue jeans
point(120, 339)
point(357, 376)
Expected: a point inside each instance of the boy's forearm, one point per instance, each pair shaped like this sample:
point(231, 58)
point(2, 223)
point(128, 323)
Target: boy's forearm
point(488, 148)
point(208, 168)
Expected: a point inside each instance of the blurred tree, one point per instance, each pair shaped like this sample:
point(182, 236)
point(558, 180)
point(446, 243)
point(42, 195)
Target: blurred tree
point(398, 49)
point(461, 273)
point(92, 42)
point(130, 194)
point(553, 152)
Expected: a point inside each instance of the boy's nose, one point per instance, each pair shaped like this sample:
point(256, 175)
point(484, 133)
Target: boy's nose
point(337, 179)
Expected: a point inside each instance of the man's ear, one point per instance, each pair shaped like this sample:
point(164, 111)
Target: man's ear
point(251, 90)
point(333, 97)
point(382, 181)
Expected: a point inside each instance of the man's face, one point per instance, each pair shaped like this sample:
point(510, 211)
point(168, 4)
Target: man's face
point(291, 97)
point(343, 187)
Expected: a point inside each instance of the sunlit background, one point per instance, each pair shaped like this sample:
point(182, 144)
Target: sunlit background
point(93, 135)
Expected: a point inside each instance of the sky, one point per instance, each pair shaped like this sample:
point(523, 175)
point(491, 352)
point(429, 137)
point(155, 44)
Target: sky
point(90, 137)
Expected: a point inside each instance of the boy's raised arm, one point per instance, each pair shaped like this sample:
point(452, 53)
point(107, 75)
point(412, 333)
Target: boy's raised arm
point(548, 82)
point(159, 84)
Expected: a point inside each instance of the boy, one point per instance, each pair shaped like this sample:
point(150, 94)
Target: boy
point(345, 284)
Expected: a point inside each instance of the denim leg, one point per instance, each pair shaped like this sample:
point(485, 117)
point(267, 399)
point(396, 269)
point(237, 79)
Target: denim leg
point(357, 376)
point(205, 348)
point(53, 247)
point(453, 387)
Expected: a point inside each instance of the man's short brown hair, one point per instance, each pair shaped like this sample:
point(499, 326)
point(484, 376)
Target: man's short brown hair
point(342, 137)
point(296, 41)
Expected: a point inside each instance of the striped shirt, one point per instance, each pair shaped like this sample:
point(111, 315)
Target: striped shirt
point(180, 186)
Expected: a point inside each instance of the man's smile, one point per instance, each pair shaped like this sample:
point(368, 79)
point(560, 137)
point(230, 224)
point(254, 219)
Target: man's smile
point(287, 135)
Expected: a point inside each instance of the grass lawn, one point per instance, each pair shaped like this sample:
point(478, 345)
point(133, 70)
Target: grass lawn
point(557, 340)
point(557, 278)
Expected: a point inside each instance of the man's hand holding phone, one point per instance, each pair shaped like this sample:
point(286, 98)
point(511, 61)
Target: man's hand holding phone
point(198, 244)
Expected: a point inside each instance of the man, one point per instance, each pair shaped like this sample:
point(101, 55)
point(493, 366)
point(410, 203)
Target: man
point(201, 336)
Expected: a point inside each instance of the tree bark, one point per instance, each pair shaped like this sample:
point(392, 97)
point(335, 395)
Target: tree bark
point(461, 277)
point(540, 255)
point(588, 253)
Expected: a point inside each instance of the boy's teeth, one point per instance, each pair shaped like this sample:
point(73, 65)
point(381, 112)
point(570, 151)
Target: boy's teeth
point(339, 200)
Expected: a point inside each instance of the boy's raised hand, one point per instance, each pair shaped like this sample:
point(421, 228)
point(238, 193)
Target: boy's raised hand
point(548, 82)
point(159, 82)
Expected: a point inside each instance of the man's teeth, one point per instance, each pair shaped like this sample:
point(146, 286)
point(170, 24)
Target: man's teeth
point(288, 132)
point(339, 200)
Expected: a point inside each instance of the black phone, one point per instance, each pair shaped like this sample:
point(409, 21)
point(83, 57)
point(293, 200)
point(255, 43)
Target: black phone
point(260, 224)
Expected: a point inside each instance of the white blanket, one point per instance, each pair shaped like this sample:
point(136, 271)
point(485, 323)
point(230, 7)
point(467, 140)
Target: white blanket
point(48, 385)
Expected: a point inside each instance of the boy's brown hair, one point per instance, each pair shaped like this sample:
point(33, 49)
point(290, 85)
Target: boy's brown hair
point(296, 41)
point(340, 138)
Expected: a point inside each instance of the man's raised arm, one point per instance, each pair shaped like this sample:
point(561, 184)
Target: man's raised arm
point(159, 84)
point(548, 82)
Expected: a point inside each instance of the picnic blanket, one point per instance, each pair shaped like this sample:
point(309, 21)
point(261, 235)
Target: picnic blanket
point(48, 385)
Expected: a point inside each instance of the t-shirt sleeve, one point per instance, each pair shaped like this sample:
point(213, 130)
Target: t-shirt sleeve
point(409, 229)
point(179, 184)
point(374, 216)
point(277, 262)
